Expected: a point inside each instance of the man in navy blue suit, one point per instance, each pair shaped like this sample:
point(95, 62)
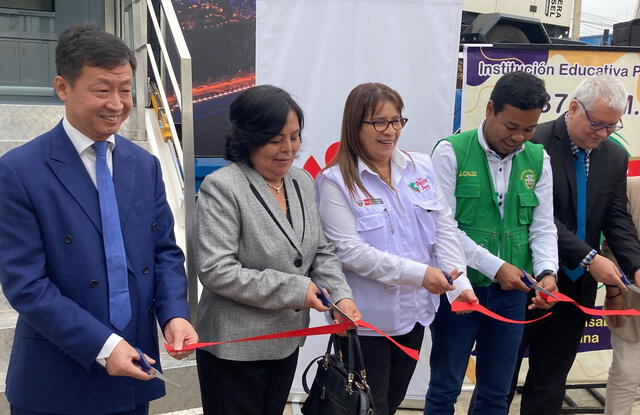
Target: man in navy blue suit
point(73, 350)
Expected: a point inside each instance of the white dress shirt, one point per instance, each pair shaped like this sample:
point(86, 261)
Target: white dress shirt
point(83, 146)
point(543, 237)
point(365, 260)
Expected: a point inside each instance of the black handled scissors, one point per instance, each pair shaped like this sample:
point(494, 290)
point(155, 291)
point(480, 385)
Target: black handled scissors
point(629, 284)
point(448, 277)
point(532, 284)
point(328, 303)
point(145, 366)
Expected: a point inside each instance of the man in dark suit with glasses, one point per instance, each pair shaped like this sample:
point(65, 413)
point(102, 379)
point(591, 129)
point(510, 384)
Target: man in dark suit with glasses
point(589, 195)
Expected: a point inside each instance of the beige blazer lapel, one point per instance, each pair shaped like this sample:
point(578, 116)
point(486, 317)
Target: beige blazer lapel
point(262, 189)
point(297, 208)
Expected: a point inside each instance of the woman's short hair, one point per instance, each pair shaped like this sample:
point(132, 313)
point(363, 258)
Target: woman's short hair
point(257, 115)
point(363, 101)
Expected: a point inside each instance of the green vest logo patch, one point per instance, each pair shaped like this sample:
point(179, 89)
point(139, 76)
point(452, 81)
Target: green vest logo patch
point(529, 178)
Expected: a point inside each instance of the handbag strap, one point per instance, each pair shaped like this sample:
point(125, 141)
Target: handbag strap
point(351, 360)
point(358, 349)
point(333, 343)
point(305, 385)
point(358, 353)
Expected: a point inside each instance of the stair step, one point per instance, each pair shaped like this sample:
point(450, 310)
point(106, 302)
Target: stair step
point(21, 123)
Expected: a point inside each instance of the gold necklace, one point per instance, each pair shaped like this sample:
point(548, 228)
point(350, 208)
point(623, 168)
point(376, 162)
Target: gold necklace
point(387, 180)
point(276, 188)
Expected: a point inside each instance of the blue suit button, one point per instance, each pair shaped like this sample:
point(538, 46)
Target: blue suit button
point(154, 226)
point(145, 270)
point(68, 238)
point(93, 284)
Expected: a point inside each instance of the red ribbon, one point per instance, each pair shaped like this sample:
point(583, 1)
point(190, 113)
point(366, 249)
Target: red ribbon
point(413, 353)
point(592, 311)
point(464, 306)
point(312, 331)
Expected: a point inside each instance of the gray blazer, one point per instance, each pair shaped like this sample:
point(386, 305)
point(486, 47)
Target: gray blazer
point(253, 284)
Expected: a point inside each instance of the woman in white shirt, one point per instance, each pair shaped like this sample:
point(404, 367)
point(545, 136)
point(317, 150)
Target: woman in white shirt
point(394, 234)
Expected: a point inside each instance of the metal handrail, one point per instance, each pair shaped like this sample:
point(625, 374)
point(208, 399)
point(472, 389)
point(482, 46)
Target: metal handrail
point(177, 149)
point(184, 98)
point(182, 150)
point(165, 53)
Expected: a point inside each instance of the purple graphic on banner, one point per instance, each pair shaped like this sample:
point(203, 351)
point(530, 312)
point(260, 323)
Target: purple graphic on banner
point(596, 335)
point(484, 62)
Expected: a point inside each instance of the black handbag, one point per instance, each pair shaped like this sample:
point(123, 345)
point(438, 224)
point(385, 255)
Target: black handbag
point(338, 389)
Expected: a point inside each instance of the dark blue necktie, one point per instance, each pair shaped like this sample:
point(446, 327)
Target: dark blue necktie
point(116, 258)
point(581, 207)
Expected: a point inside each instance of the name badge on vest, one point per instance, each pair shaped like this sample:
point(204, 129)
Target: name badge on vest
point(369, 202)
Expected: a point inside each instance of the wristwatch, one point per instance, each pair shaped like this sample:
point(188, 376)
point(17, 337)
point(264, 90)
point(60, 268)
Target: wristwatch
point(545, 273)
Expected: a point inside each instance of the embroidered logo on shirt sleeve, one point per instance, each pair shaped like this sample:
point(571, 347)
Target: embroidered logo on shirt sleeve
point(421, 183)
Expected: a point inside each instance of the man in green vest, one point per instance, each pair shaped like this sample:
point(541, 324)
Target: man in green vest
point(500, 187)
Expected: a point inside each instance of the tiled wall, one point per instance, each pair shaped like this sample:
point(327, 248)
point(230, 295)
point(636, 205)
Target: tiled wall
point(20, 123)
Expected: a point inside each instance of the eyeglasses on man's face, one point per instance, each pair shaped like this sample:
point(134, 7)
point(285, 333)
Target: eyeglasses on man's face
point(600, 125)
point(381, 126)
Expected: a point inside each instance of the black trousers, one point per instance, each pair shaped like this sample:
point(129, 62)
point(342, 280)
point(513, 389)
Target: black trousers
point(389, 369)
point(553, 343)
point(244, 388)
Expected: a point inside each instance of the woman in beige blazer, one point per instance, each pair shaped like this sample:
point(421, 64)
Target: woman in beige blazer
point(259, 244)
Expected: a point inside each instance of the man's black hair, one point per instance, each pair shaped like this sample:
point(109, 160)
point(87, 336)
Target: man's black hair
point(521, 90)
point(85, 44)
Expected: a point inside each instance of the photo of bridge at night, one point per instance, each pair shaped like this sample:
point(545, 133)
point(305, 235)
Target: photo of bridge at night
point(214, 90)
point(220, 35)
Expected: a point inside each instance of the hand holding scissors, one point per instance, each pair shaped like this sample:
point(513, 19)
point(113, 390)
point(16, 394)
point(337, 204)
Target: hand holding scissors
point(629, 284)
point(541, 300)
point(328, 303)
point(146, 367)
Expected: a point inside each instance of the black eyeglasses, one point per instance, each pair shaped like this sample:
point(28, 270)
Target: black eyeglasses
point(600, 125)
point(381, 126)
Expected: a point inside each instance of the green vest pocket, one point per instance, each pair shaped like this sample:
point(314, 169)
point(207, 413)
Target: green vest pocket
point(468, 197)
point(528, 200)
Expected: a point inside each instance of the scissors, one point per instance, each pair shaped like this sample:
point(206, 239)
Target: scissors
point(629, 284)
point(531, 284)
point(328, 303)
point(448, 276)
point(145, 366)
